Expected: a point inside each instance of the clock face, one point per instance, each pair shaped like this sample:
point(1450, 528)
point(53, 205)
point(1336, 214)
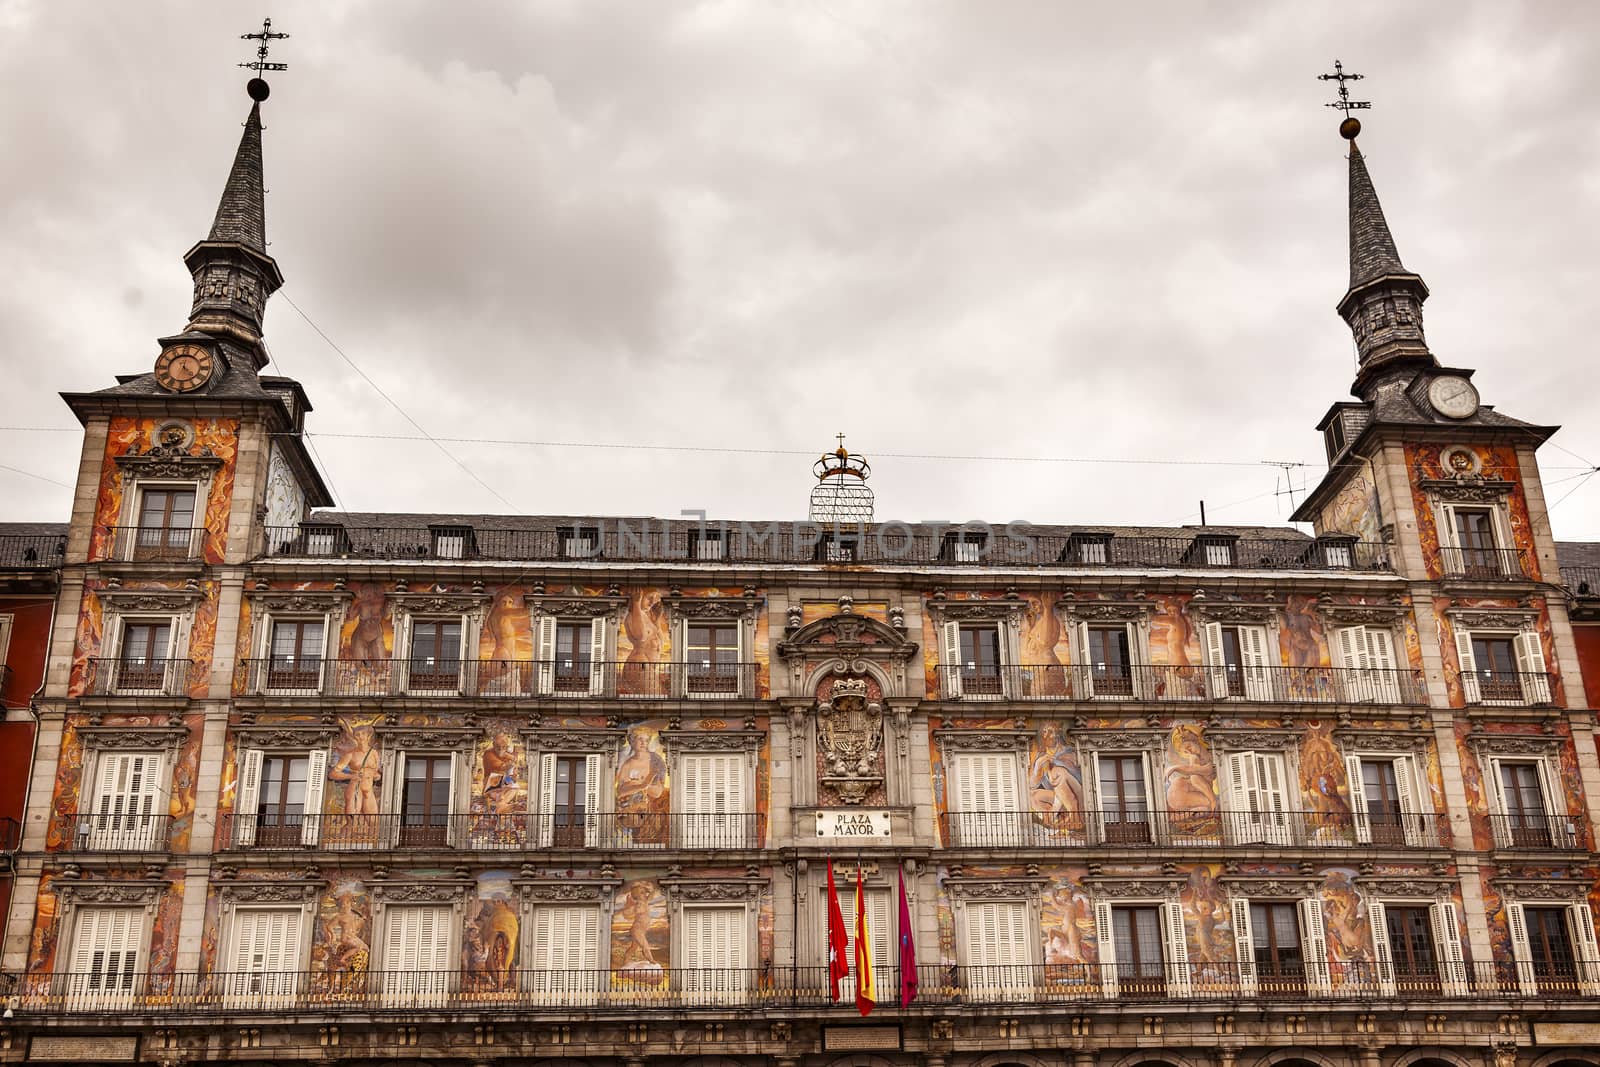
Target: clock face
point(184, 368)
point(1453, 397)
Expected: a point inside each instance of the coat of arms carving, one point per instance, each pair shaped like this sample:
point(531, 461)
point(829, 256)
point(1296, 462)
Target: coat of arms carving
point(850, 740)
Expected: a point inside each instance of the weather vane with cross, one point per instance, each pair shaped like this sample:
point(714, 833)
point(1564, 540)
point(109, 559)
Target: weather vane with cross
point(1351, 125)
point(257, 86)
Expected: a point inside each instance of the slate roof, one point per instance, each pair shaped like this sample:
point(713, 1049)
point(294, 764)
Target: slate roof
point(242, 214)
point(1372, 250)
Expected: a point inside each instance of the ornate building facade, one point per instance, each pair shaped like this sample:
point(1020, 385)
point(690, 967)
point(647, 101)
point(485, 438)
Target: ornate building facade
point(355, 788)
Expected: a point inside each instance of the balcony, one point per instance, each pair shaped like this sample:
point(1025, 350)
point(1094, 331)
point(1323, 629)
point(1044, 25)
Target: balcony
point(139, 676)
point(22, 552)
point(119, 832)
point(1484, 564)
point(785, 988)
point(496, 679)
point(620, 831)
point(1185, 829)
point(156, 544)
point(1507, 688)
point(798, 543)
point(1266, 685)
point(1535, 831)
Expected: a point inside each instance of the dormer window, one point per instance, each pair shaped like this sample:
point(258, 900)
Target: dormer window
point(964, 547)
point(1089, 549)
point(579, 542)
point(326, 540)
point(837, 548)
point(707, 544)
point(453, 542)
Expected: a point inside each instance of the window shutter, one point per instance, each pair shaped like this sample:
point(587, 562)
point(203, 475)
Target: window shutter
point(1358, 800)
point(591, 800)
point(950, 657)
point(1354, 659)
point(988, 798)
point(1380, 656)
point(1447, 947)
point(1216, 668)
point(127, 814)
point(1094, 818)
point(1521, 951)
point(248, 800)
point(1497, 803)
point(316, 781)
point(1242, 800)
point(393, 794)
point(1314, 946)
point(266, 951)
point(546, 668)
point(1556, 816)
point(713, 797)
point(1084, 675)
point(1179, 983)
point(597, 656)
point(1470, 688)
point(546, 815)
point(401, 657)
point(177, 648)
point(1244, 946)
point(1257, 665)
point(1106, 947)
point(566, 952)
point(679, 651)
point(1270, 773)
point(1378, 922)
point(715, 952)
point(105, 951)
point(1587, 953)
point(881, 929)
point(454, 820)
point(1412, 821)
point(1530, 663)
point(997, 948)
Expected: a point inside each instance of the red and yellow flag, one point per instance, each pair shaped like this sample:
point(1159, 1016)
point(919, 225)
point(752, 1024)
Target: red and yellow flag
point(866, 981)
point(838, 939)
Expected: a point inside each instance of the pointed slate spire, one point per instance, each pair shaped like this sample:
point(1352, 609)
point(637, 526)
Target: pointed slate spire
point(233, 274)
point(242, 215)
point(1383, 306)
point(1372, 250)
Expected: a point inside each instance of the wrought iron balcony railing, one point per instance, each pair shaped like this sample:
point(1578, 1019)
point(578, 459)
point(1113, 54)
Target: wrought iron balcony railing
point(32, 551)
point(1284, 685)
point(630, 990)
point(1185, 829)
point(119, 831)
point(888, 544)
point(520, 831)
point(1521, 688)
point(156, 544)
point(495, 679)
point(1535, 830)
point(1484, 564)
point(138, 676)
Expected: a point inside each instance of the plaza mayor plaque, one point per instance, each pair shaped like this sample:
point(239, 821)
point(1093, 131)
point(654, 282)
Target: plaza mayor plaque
point(853, 824)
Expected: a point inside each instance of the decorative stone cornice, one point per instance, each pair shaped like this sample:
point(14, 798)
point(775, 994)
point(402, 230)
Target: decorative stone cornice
point(1137, 610)
point(425, 603)
point(721, 889)
point(1273, 885)
point(1385, 614)
point(714, 607)
point(1486, 744)
point(1239, 739)
point(1208, 607)
point(129, 600)
point(713, 740)
point(1522, 617)
point(1563, 889)
point(995, 888)
point(1131, 737)
point(412, 892)
point(284, 735)
point(120, 891)
point(102, 738)
point(308, 601)
point(170, 461)
point(849, 637)
point(596, 891)
point(1361, 740)
point(441, 737)
point(593, 739)
point(1414, 886)
point(576, 606)
point(1123, 887)
point(957, 740)
point(1467, 489)
point(274, 892)
point(974, 610)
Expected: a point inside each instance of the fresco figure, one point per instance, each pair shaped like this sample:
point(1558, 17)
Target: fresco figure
point(639, 935)
point(366, 639)
point(1054, 784)
point(504, 791)
point(641, 787)
point(489, 937)
point(342, 952)
point(359, 766)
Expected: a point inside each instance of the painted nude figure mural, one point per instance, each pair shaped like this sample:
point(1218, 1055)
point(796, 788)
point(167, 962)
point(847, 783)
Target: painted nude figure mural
point(639, 934)
point(357, 763)
point(1054, 784)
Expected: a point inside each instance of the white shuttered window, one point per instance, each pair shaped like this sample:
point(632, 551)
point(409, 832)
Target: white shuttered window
point(266, 953)
point(880, 930)
point(106, 957)
point(1257, 805)
point(127, 805)
point(1366, 654)
point(416, 954)
point(711, 790)
point(716, 953)
point(988, 799)
point(998, 955)
point(566, 953)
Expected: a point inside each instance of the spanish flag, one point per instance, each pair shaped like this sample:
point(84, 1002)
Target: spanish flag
point(866, 981)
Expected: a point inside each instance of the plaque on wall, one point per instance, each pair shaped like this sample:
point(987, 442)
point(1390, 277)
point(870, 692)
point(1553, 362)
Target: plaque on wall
point(58, 1048)
point(853, 824)
point(861, 1038)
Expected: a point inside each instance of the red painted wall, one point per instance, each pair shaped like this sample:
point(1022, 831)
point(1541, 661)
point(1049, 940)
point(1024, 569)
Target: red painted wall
point(1587, 638)
point(25, 656)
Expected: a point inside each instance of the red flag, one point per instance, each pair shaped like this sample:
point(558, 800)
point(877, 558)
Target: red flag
point(908, 949)
point(866, 980)
point(838, 939)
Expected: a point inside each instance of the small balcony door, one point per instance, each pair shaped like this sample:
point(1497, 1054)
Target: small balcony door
point(1523, 790)
point(295, 659)
point(281, 811)
point(566, 954)
point(426, 801)
point(1277, 947)
point(1137, 967)
point(107, 958)
point(711, 659)
point(128, 813)
point(980, 660)
point(1257, 805)
point(435, 665)
point(266, 958)
point(712, 805)
point(999, 953)
point(569, 800)
point(880, 938)
point(1475, 541)
point(144, 659)
point(571, 657)
point(1121, 799)
point(716, 953)
point(989, 809)
point(417, 967)
point(1105, 662)
point(166, 524)
point(1238, 663)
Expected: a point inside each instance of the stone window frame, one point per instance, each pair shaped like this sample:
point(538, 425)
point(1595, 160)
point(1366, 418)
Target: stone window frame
point(1150, 742)
point(118, 606)
point(166, 741)
point(236, 896)
point(76, 894)
point(399, 892)
point(1267, 615)
point(1515, 623)
point(1004, 613)
point(1025, 891)
point(269, 607)
point(1137, 615)
point(532, 892)
point(1543, 750)
point(468, 609)
point(168, 463)
point(397, 741)
point(607, 608)
point(685, 893)
point(743, 612)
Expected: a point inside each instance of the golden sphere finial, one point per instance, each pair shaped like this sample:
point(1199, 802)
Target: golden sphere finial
point(1349, 128)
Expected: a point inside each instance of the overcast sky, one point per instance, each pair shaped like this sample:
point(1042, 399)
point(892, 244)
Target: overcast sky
point(945, 228)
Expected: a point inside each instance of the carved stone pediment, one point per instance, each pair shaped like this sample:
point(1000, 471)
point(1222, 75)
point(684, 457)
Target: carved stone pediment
point(567, 891)
point(571, 740)
point(1277, 885)
point(438, 737)
point(714, 607)
point(273, 892)
point(426, 603)
point(1418, 887)
point(1485, 744)
point(975, 610)
point(1240, 739)
point(1468, 488)
point(121, 891)
point(1128, 739)
point(129, 600)
point(850, 636)
point(172, 460)
point(1126, 888)
point(1387, 613)
point(1135, 610)
point(432, 892)
point(1563, 889)
point(995, 888)
point(1519, 618)
point(124, 738)
point(281, 601)
point(290, 736)
point(1211, 607)
point(719, 889)
point(576, 607)
point(713, 740)
point(1352, 740)
point(954, 740)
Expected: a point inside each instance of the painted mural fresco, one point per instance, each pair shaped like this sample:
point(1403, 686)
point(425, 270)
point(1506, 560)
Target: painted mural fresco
point(128, 435)
point(1323, 786)
point(1452, 660)
point(1354, 510)
point(342, 936)
point(200, 651)
point(1055, 782)
point(490, 936)
point(642, 786)
point(1066, 925)
point(355, 773)
point(639, 936)
point(163, 946)
point(183, 774)
point(1495, 464)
